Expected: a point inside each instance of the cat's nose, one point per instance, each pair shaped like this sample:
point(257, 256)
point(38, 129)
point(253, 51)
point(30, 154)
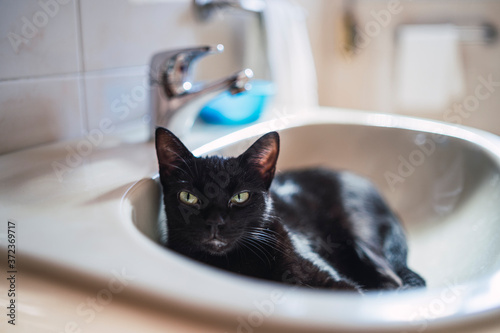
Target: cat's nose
point(216, 221)
point(215, 225)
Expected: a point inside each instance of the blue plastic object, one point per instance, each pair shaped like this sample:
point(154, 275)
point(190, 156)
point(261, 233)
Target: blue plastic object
point(239, 109)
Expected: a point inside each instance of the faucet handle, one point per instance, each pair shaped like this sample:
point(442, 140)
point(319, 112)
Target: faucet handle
point(172, 69)
point(171, 89)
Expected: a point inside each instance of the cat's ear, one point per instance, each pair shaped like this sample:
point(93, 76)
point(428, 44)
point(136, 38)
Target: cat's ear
point(263, 155)
point(170, 151)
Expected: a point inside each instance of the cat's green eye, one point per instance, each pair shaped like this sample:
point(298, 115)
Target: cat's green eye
point(240, 198)
point(188, 198)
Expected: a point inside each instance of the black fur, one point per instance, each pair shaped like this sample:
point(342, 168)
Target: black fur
point(313, 227)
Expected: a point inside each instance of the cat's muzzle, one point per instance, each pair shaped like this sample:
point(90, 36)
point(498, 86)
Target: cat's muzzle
point(216, 246)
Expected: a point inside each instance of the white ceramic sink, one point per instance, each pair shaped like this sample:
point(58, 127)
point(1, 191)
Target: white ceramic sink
point(444, 182)
point(97, 218)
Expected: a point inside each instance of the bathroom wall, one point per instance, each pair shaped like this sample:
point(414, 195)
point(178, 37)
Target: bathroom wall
point(365, 77)
point(68, 67)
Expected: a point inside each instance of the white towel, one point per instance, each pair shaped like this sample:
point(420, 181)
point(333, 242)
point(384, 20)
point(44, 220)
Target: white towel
point(429, 72)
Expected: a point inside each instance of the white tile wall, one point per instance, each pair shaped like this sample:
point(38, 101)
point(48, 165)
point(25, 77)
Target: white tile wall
point(65, 65)
point(138, 29)
point(120, 95)
point(38, 38)
point(36, 111)
point(136, 32)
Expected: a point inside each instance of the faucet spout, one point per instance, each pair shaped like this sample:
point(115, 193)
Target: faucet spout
point(175, 100)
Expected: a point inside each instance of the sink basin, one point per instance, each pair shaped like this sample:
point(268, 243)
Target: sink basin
point(442, 180)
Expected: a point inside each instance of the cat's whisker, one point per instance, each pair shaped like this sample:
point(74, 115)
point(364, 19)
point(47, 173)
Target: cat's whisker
point(263, 229)
point(264, 238)
point(284, 251)
point(249, 245)
point(257, 242)
point(271, 242)
point(239, 251)
point(260, 239)
point(265, 234)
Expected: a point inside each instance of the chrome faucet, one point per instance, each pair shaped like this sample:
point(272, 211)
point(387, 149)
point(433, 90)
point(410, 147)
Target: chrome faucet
point(171, 89)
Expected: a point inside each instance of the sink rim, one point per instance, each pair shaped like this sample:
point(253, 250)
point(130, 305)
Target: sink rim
point(370, 312)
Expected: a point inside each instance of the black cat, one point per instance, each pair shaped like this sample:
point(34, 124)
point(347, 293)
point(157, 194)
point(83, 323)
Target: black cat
point(313, 227)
